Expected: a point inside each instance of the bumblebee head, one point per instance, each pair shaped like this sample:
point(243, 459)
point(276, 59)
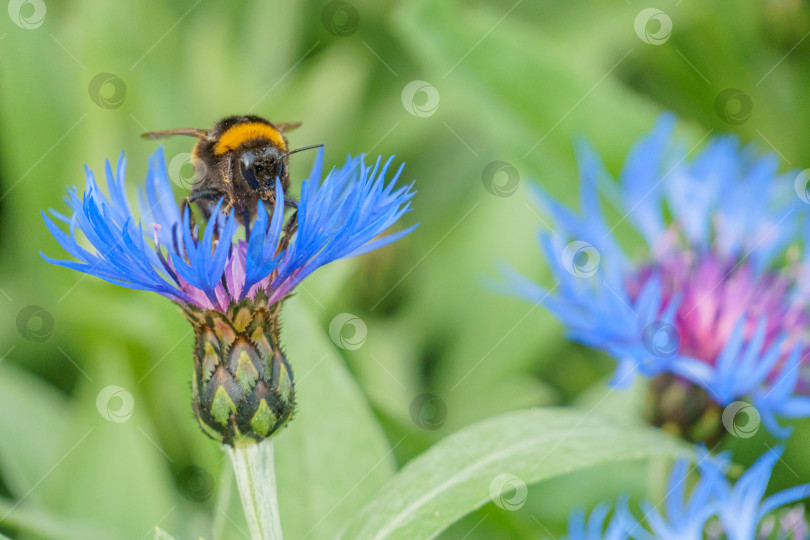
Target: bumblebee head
point(261, 166)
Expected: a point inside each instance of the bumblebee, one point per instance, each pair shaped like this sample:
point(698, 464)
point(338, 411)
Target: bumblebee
point(241, 156)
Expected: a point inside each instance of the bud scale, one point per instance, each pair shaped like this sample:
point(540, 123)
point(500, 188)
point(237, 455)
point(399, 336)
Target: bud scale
point(242, 386)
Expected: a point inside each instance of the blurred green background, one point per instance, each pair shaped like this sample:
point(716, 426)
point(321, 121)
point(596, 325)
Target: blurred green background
point(507, 81)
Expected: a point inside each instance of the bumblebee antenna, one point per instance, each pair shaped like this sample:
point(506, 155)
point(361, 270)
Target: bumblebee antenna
point(304, 148)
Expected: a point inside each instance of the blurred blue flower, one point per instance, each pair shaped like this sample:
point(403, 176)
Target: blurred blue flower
point(686, 517)
point(592, 527)
point(715, 298)
point(212, 267)
point(715, 508)
point(740, 508)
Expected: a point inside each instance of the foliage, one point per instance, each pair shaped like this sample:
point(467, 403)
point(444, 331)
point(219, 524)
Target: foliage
point(438, 351)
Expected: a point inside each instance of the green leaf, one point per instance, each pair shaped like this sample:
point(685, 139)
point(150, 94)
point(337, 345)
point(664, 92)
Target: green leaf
point(160, 534)
point(112, 471)
point(46, 525)
point(463, 471)
point(333, 456)
point(34, 424)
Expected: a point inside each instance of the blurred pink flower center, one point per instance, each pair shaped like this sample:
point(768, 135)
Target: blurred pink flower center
point(716, 293)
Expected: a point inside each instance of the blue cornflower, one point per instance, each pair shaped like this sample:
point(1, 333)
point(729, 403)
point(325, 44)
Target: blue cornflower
point(592, 527)
point(686, 517)
point(213, 268)
point(231, 285)
point(715, 508)
point(742, 507)
point(712, 300)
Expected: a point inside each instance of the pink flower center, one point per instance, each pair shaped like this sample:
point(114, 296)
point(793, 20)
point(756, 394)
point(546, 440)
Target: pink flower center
point(716, 293)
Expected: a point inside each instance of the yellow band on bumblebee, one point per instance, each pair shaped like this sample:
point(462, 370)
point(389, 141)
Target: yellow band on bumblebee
point(237, 135)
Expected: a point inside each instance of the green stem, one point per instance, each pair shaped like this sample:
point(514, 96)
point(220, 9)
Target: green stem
point(256, 480)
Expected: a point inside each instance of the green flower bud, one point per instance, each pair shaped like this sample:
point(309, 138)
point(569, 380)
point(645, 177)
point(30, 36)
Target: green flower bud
point(242, 386)
point(684, 409)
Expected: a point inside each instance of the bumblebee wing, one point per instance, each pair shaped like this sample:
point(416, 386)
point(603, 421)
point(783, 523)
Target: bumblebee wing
point(286, 126)
point(190, 132)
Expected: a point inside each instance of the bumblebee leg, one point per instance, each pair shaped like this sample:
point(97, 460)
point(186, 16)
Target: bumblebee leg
point(227, 175)
point(270, 201)
point(183, 207)
point(227, 178)
point(289, 201)
point(289, 231)
point(204, 195)
point(228, 207)
point(246, 222)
